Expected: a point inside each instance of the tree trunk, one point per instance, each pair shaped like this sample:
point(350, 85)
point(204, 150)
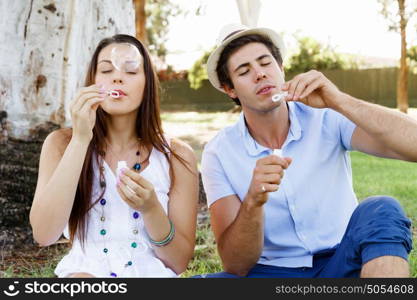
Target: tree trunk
point(402, 84)
point(249, 11)
point(45, 48)
point(140, 20)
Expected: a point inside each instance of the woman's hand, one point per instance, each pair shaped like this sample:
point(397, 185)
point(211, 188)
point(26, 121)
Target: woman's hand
point(83, 112)
point(136, 191)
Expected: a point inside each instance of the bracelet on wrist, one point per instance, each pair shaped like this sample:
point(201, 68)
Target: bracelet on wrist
point(166, 240)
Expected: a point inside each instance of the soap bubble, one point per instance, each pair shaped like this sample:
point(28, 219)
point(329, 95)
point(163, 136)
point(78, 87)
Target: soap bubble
point(126, 57)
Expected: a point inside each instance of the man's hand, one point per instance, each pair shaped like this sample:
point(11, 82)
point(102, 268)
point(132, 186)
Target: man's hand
point(267, 176)
point(313, 89)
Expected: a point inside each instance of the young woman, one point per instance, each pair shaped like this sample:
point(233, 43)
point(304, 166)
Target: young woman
point(141, 222)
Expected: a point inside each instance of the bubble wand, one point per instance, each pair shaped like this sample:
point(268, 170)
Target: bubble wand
point(278, 98)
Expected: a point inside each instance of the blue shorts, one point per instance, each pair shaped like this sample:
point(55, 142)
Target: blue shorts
point(378, 227)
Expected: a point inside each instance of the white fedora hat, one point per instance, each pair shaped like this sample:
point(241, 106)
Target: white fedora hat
point(231, 32)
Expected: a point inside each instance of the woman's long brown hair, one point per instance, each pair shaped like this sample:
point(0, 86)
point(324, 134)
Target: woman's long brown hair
point(148, 129)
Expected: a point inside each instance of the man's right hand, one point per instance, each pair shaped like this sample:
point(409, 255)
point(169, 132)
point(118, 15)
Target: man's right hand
point(266, 178)
point(83, 112)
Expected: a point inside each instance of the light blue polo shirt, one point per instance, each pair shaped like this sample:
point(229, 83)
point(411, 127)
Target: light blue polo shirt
point(313, 205)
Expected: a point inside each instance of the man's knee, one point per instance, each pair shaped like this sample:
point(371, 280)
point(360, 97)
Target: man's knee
point(377, 207)
point(380, 220)
point(377, 202)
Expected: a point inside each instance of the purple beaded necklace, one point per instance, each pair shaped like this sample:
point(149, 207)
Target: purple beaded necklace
point(134, 241)
point(135, 217)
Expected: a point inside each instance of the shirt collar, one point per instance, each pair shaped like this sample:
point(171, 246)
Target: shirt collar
point(254, 148)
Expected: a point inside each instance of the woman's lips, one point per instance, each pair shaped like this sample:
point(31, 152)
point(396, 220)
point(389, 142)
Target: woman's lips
point(116, 94)
point(120, 92)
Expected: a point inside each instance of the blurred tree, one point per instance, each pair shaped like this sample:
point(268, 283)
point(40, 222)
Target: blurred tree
point(398, 13)
point(158, 14)
point(412, 56)
point(314, 55)
point(152, 23)
point(198, 71)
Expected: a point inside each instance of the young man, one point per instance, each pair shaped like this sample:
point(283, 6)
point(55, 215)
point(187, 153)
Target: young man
point(296, 215)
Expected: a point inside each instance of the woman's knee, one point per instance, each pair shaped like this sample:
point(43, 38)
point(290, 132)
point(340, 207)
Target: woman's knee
point(80, 275)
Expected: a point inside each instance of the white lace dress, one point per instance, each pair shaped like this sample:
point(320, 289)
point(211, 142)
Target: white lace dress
point(124, 248)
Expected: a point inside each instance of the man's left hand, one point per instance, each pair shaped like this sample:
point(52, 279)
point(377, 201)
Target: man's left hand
point(313, 89)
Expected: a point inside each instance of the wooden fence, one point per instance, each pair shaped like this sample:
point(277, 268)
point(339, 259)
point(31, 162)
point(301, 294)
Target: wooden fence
point(373, 85)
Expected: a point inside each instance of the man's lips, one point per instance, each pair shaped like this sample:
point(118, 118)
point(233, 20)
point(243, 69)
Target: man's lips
point(265, 90)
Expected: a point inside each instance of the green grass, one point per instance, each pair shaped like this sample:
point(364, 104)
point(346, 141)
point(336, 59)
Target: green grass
point(371, 176)
point(378, 176)
point(374, 176)
point(413, 257)
point(206, 259)
point(196, 129)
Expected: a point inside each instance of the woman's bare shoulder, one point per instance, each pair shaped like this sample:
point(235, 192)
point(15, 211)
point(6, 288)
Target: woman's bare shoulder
point(58, 139)
point(182, 148)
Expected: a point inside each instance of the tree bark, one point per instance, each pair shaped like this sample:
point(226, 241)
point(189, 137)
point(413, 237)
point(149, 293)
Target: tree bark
point(140, 20)
point(402, 84)
point(45, 48)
